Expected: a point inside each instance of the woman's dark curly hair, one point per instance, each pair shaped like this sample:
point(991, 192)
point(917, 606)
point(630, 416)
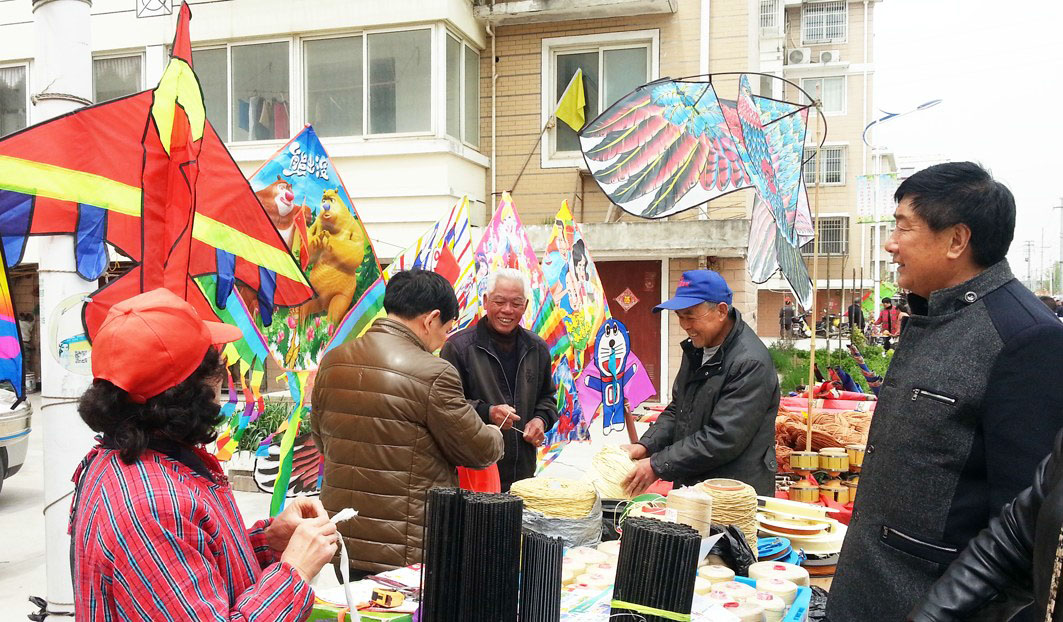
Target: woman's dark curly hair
point(188, 413)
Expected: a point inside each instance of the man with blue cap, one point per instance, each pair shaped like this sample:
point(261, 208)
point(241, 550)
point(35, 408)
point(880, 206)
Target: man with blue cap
point(721, 420)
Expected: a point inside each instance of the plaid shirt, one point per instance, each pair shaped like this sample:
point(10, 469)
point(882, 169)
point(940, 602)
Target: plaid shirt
point(156, 541)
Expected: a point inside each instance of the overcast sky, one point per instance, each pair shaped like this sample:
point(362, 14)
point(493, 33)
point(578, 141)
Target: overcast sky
point(998, 66)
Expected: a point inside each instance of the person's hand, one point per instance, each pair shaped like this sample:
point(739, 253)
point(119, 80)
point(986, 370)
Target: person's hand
point(640, 477)
point(312, 545)
point(283, 525)
point(503, 415)
point(636, 451)
point(534, 432)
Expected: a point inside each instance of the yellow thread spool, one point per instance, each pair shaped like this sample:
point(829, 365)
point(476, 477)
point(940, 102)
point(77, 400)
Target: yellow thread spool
point(804, 460)
point(852, 485)
point(833, 459)
point(804, 492)
point(837, 491)
point(856, 456)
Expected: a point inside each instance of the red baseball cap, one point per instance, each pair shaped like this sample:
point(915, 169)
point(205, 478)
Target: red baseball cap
point(153, 342)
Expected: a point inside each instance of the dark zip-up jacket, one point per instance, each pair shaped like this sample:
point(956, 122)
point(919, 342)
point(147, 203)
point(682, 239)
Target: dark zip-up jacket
point(473, 354)
point(1018, 552)
point(721, 420)
point(967, 410)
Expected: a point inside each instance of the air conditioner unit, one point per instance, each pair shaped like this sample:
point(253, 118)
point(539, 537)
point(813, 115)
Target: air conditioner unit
point(830, 56)
point(799, 56)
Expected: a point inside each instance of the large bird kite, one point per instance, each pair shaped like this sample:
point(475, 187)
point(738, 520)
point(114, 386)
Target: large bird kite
point(672, 145)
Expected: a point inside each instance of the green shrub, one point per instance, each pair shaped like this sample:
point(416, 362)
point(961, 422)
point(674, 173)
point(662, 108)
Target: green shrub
point(792, 364)
point(275, 413)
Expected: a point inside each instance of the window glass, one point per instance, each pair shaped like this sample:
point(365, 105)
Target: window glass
point(831, 92)
point(334, 86)
point(260, 91)
point(625, 70)
point(453, 87)
point(472, 97)
point(567, 64)
point(211, 69)
point(400, 82)
point(12, 99)
point(115, 77)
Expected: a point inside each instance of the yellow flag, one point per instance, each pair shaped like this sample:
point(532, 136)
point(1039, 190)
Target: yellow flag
point(572, 104)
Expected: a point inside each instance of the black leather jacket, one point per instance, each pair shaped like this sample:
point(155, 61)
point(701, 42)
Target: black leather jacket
point(1014, 556)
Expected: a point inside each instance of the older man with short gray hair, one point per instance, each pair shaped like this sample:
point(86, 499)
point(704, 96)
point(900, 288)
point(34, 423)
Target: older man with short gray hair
point(506, 372)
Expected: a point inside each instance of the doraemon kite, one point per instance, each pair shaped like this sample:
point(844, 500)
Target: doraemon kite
point(611, 349)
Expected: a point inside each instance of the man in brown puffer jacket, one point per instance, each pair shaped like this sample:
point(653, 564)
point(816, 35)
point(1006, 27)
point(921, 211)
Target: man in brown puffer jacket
point(392, 422)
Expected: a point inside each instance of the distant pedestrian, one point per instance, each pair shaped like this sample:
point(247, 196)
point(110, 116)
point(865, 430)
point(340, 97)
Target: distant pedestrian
point(786, 318)
point(856, 317)
point(889, 322)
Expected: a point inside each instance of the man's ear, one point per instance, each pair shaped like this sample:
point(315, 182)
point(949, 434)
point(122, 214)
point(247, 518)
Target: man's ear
point(959, 241)
point(428, 317)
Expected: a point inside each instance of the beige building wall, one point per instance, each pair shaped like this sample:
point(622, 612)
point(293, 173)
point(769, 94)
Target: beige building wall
point(519, 50)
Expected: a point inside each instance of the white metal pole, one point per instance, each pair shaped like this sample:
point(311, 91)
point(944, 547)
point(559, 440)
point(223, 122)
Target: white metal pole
point(61, 82)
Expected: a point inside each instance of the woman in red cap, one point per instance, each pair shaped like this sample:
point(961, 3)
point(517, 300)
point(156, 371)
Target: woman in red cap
point(155, 530)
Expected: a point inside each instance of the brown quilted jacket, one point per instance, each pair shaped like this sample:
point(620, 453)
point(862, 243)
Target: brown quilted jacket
point(392, 422)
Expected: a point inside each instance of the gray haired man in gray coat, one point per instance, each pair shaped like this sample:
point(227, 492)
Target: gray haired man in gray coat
point(969, 406)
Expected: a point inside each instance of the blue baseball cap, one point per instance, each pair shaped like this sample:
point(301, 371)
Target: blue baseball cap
point(696, 287)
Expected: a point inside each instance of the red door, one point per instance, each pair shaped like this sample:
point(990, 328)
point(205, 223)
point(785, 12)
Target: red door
point(633, 289)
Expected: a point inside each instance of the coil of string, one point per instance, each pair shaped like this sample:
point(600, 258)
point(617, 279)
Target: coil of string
point(693, 506)
point(556, 498)
point(609, 467)
point(734, 503)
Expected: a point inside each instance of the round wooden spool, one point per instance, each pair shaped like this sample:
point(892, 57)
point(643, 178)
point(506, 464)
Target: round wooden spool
point(833, 459)
point(852, 485)
point(837, 491)
point(804, 461)
point(804, 492)
point(856, 456)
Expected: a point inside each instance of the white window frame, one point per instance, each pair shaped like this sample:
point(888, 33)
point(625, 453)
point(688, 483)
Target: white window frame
point(845, 93)
point(466, 48)
point(844, 147)
point(303, 85)
point(824, 41)
point(551, 47)
point(846, 229)
point(294, 78)
point(128, 54)
point(29, 102)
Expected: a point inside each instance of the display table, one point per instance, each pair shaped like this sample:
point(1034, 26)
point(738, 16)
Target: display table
point(325, 612)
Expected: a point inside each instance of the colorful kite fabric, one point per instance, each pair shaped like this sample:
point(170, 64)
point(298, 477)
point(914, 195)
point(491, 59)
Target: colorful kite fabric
point(446, 248)
point(308, 204)
point(671, 145)
point(151, 178)
point(505, 244)
point(639, 388)
point(573, 283)
point(11, 361)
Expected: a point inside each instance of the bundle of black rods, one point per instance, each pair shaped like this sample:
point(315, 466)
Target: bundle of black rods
point(540, 578)
point(657, 567)
point(471, 557)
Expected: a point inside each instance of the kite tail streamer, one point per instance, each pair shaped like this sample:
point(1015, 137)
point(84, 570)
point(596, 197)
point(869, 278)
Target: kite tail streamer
point(874, 381)
point(297, 386)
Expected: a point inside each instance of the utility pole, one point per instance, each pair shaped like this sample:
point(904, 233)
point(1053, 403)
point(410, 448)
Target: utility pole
point(60, 83)
point(1027, 248)
point(1058, 288)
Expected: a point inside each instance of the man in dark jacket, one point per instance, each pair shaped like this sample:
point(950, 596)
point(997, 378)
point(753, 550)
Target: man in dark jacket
point(969, 406)
point(721, 420)
point(786, 319)
point(506, 373)
point(856, 317)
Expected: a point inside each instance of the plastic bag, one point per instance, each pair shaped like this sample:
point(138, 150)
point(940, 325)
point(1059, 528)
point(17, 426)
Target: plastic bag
point(733, 548)
point(573, 531)
point(817, 608)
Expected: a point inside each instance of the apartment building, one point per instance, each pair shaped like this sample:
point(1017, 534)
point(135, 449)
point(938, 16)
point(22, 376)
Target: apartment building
point(825, 47)
point(422, 101)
